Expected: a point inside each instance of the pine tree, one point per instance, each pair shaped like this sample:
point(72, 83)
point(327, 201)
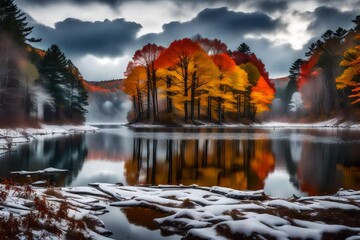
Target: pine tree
point(13, 23)
point(292, 85)
point(244, 48)
point(76, 94)
point(53, 77)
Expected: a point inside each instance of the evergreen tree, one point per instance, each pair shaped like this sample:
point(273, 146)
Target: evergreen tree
point(13, 23)
point(53, 77)
point(76, 94)
point(244, 48)
point(292, 87)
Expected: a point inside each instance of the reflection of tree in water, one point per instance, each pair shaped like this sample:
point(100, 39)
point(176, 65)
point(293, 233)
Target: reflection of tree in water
point(239, 164)
point(64, 153)
point(317, 169)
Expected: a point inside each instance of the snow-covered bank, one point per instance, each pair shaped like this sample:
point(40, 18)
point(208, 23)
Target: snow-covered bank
point(10, 137)
point(202, 212)
point(332, 123)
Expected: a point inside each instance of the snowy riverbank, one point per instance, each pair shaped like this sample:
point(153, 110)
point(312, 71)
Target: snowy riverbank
point(189, 211)
point(331, 123)
point(10, 137)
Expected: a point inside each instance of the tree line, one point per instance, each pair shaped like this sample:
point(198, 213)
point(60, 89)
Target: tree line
point(197, 79)
point(35, 84)
point(327, 81)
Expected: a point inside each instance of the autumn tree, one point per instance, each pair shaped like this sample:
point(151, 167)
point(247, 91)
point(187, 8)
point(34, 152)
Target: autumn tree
point(350, 78)
point(230, 84)
point(134, 85)
point(254, 68)
point(177, 59)
point(211, 46)
point(146, 57)
point(261, 97)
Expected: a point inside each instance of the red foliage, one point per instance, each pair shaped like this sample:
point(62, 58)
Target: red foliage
point(224, 62)
point(146, 56)
point(179, 50)
point(307, 70)
point(93, 88)
point(212, 47)
point(241, 58)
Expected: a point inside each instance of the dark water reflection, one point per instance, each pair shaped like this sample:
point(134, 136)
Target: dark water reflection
point(282, 161)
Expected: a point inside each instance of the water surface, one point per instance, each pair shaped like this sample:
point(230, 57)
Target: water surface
point(281, 161)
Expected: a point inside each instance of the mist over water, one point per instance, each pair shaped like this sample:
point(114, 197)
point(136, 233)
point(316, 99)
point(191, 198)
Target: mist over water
point(109, 107)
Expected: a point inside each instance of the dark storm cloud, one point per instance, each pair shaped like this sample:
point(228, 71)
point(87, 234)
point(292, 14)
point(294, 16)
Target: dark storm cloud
point(79, 2)
point(102, 38)
point(233, 3)
point(114, 38)
point(330, 18)
point(271, 6)
point(216, 23)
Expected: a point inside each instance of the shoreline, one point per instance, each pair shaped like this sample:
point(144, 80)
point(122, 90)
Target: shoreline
point(331, 124)
point(11, 137)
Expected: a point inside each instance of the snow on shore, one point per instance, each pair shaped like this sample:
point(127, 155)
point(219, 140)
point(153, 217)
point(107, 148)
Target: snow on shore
point(323, 124)
point(332, 123)
point(10, 137)
point(205, 213)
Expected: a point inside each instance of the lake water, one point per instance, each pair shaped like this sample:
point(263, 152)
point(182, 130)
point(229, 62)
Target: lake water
point(281, 161)
point(284, 162)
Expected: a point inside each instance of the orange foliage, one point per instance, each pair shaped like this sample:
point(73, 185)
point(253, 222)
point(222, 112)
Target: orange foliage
point(262, 95)
point(93, 88)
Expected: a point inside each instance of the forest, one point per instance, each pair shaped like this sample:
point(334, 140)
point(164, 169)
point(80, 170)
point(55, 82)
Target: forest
point(35, 85)
point(192, 80)
point(201, 80)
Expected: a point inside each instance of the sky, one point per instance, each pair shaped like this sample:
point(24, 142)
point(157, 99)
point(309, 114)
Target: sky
point(101, 36)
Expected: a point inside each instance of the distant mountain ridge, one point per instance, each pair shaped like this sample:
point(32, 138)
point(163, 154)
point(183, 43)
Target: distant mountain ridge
point(104, 86)
point(281, 82)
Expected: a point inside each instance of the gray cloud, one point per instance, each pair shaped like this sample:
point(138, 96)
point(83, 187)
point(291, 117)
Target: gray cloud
point(101, 38)
point(216, 23)
point(114, 38)
point(79, 2)
point(330, 18)
point(233, 3)
point(271, 6)
point(118, 37)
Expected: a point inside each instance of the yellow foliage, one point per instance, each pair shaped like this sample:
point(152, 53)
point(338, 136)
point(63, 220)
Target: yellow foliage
point(351, 62)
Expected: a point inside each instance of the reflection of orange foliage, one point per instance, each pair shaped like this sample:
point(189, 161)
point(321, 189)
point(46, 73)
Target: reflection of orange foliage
point(263, 162)
point(236, 180)
point(131, 172)
point(105, 155)
point(309, 188)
